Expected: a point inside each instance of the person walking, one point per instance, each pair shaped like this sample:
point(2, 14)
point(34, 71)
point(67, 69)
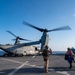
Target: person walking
point(45, 54)
point(70, 57)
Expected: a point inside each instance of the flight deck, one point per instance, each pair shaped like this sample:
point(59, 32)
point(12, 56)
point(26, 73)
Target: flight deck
point(31, 65)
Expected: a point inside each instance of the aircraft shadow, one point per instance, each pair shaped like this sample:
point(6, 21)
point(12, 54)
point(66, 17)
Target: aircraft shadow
point(62, 69)
point(34, 70)
point(31, 70)
point(24, 71)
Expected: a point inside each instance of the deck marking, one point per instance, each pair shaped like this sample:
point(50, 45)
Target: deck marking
point(51, 69)
point(26, 63)
point(13, 61)
point(33, 56)
point(63, 72)
point(34, 66)
point(14, 71)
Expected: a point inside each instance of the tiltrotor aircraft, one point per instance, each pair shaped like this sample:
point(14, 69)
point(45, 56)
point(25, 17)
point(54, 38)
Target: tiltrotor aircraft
point(16, 49)
point(45, 37)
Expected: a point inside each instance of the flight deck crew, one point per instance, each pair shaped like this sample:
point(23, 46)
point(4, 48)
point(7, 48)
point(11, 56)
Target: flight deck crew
point(70, 57)
point(45, 54)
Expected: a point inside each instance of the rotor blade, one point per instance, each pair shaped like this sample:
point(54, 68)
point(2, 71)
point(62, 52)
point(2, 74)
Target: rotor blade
point(11, 33)
point(13, 39)
point(61, 28)
point(24, 39)
point(21, 39)
point(28, 24)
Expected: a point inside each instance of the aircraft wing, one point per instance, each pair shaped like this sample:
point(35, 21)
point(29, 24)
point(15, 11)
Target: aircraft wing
point(31, 43)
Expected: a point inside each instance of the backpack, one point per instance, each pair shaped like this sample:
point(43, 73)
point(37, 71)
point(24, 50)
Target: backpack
point(66, 57)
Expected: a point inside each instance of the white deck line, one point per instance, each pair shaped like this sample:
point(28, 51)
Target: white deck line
point(63, 72)
point(14, 71)
point(13, 61)
point(26, 63)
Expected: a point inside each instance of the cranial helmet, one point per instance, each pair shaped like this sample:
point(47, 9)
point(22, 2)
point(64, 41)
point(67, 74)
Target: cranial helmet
point(46, 47)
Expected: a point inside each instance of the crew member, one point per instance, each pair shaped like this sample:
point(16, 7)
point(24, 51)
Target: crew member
point(45, 54)
point(70, 57)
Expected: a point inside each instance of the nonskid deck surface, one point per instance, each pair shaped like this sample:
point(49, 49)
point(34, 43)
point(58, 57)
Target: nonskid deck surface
point(30, 65)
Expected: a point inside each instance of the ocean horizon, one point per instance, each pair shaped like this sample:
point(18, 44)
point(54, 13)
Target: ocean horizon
point(58, 52)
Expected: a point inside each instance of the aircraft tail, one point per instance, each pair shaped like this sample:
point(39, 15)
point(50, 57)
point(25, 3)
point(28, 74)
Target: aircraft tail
point(5, 50)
